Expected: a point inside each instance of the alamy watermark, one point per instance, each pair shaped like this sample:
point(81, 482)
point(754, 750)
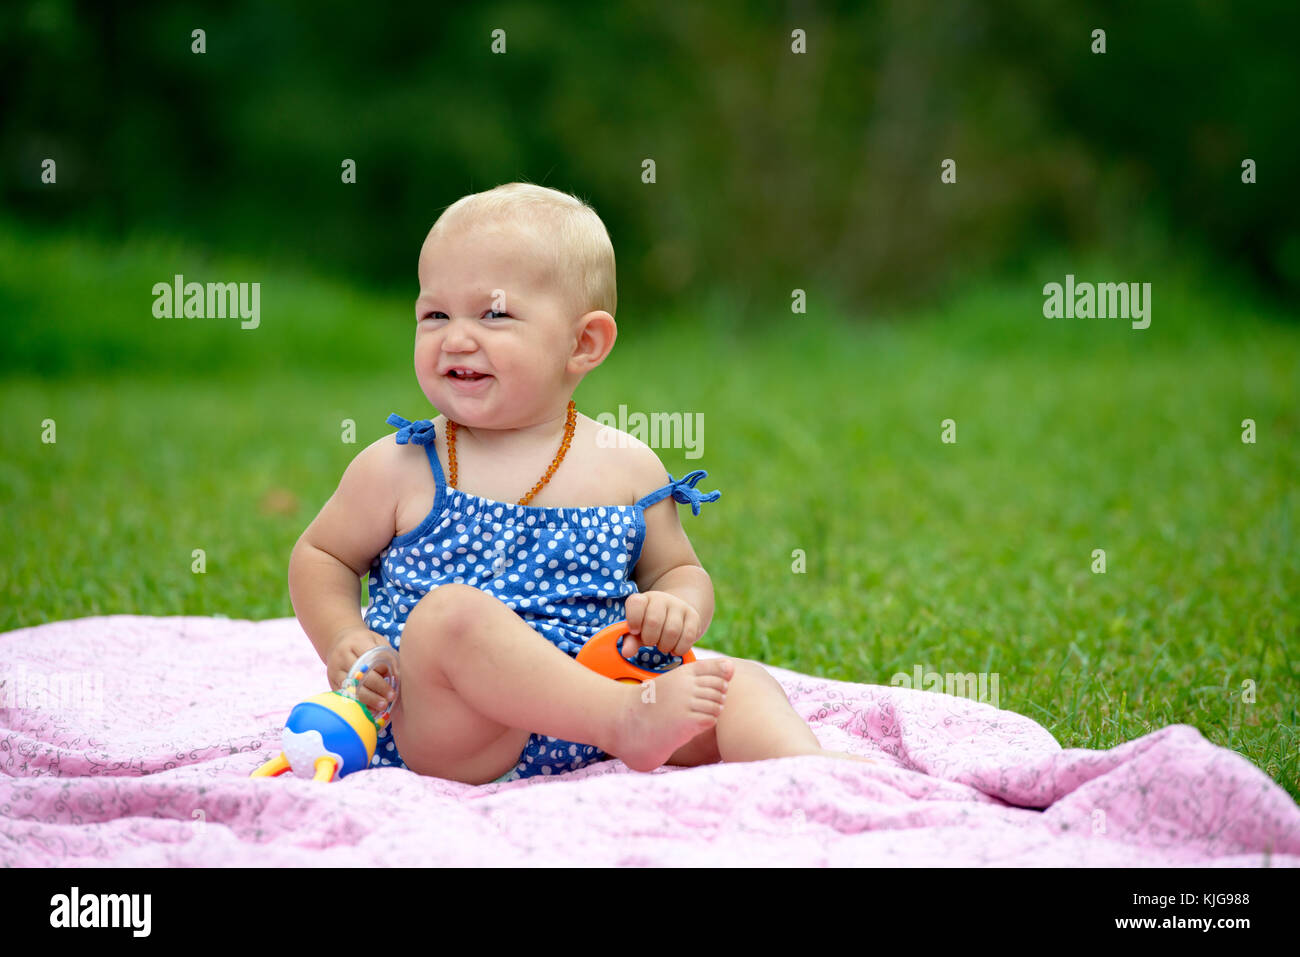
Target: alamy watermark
point(1107, 300)
point(977, 686)
point(75, 909)
point(659, 430)
point(215, 300)
point(58, 691)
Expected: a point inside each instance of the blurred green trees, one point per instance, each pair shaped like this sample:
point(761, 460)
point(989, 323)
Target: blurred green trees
point(774, 170)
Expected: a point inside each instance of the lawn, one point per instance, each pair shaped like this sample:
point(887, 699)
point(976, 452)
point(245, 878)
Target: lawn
point(850, 541)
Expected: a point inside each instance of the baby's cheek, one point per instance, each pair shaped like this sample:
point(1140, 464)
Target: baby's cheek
point(426, 355)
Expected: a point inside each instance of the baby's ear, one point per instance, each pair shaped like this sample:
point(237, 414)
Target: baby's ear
point(597, 333)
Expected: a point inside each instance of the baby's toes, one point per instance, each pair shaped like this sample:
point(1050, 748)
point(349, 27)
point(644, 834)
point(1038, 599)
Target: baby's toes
point(723, 668)
point(710, 701)
point(712, 682)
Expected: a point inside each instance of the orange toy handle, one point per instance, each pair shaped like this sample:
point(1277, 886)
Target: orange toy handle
point(601, 655)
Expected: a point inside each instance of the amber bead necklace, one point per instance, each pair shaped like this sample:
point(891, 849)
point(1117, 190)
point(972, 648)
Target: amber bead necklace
point(555, 463)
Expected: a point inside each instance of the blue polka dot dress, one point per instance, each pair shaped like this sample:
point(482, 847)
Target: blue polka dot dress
point(565, 571)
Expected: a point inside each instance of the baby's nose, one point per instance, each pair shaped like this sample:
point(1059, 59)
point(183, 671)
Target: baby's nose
point(458, 330)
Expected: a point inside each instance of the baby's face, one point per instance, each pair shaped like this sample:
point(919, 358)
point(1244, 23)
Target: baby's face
point(487, 303)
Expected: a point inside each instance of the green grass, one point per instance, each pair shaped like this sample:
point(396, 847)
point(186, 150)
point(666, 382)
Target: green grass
point(823, 434)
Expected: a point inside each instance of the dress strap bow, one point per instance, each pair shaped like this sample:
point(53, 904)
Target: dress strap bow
point(683, 490)
point(421, 432)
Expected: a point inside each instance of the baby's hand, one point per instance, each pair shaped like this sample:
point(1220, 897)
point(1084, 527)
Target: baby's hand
point(660, 619)
point(373, 691)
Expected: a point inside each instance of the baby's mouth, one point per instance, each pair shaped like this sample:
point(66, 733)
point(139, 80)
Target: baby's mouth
point(463, 375)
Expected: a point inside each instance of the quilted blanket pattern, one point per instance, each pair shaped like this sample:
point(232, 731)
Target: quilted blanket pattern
point(127, 741)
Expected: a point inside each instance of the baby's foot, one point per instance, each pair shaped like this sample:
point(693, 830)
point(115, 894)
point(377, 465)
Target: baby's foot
point(665, 713)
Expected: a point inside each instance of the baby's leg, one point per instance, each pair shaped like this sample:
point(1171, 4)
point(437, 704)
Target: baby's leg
point(476, 681)
point(757, 723)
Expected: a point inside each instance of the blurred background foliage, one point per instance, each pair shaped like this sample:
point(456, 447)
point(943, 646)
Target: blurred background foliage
point(775, 171)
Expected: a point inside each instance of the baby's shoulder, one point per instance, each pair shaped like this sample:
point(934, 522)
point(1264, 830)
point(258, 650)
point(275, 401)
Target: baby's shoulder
point(385, 460)
point(636, 464)
point(407, 463)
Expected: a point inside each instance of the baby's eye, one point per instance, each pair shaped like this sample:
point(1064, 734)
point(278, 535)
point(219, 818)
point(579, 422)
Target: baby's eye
point(498, 315)
point(434, 315)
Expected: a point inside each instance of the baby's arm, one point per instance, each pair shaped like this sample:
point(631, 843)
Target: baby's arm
point(330, 557)
point(667, 564)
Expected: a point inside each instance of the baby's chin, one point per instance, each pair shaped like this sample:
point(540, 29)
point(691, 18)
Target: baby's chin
point(471, 411)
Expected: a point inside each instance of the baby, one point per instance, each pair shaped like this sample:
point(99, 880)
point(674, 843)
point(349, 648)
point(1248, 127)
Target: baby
point(503, 534)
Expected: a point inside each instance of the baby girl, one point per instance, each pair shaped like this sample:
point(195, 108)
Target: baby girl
point(501, 535)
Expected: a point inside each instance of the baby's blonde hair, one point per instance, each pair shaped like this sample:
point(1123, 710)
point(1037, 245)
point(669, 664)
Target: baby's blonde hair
point(583, 256)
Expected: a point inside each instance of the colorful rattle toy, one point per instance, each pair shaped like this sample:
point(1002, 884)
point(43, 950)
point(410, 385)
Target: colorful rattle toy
point(603, 653)
point(333, 734)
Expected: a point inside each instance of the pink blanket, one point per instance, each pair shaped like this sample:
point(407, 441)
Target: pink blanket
point(127, 741)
